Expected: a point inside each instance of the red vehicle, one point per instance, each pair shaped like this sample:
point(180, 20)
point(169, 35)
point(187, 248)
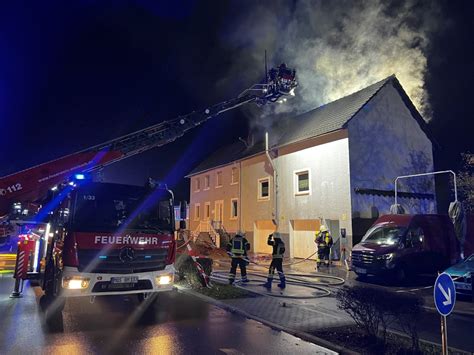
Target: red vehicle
point(402, 245)
point(109, 239)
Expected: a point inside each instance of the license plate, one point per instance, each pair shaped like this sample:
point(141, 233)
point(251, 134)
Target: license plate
point(462, 286)
point(124, 280)
point(360, 270)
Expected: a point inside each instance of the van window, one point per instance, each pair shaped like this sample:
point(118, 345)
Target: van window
point(386, 235)
point(414, 237)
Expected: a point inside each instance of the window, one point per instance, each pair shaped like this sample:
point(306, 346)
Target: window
point(219, 179)
point(197, 211)
point(235, 176)
point(264, 189)
point(234, 208)
point(302, 182)
point(207, 210)
point(197, 184)
point(207, 182)
point(414, 238)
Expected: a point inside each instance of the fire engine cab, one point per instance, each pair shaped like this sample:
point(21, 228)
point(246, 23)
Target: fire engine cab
point(108, 239)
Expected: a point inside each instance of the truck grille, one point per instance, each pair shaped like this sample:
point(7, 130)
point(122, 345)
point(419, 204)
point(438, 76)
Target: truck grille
point(362, 257)
point(109, 262)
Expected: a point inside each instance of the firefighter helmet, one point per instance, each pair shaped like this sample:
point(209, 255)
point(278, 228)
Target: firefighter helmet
point(323, 228)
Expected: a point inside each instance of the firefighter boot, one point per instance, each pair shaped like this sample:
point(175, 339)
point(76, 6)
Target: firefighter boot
point(282, 283)
point(268, 284)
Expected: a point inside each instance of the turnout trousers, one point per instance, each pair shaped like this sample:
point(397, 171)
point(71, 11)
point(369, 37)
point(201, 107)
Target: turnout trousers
point(277, 263)
point(233, 269)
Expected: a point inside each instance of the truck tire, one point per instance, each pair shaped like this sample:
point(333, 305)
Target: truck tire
point(52, 308)
point(147, 297)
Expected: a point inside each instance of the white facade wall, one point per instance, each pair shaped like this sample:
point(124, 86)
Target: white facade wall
point(385, 141)
point(329, 197)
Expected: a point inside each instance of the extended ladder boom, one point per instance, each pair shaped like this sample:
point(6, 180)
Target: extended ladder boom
point(32, 184)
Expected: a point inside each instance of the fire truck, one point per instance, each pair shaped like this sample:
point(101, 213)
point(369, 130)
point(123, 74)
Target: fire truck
point(105, 239)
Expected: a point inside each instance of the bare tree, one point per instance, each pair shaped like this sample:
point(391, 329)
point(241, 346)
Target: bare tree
point(465, 182)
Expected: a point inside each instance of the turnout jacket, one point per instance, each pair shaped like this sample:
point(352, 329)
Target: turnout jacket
point(238, 246)
point(278, 247)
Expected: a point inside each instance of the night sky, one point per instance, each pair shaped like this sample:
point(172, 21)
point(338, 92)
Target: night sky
point(74, 74)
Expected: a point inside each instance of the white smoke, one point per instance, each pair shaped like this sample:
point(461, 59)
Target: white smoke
point(337, 47)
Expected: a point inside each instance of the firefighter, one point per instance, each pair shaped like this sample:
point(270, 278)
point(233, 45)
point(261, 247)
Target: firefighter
point(324, 242)
point(277, 260)
point(237, 248)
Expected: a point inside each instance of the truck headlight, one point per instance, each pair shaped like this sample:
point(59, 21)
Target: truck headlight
point(164, 279)
point(75, 282)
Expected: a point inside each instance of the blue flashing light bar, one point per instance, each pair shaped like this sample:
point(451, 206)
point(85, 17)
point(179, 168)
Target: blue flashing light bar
point(147, 256)
point(79, 176)
point(103, 257)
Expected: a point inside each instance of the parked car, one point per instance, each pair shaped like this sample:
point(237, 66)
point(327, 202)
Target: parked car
point(462, 275)
point(403, 245)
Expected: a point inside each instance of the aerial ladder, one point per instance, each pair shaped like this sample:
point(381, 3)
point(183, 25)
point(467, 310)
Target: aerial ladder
point(30, 186)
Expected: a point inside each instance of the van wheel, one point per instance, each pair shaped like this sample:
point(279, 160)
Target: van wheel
point(400, 274)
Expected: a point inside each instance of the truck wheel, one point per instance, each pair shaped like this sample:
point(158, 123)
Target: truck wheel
point(52, 309)
point(147, 297)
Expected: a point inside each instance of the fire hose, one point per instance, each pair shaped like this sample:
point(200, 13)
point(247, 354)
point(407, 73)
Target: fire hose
point(295, 279)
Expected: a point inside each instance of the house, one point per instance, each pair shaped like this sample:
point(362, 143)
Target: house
point(335, 164)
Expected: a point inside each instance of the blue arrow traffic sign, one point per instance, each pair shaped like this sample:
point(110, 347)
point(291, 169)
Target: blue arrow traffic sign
point(444, 294)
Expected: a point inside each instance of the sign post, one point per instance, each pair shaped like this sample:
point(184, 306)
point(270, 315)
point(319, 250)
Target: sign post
point(444, 298)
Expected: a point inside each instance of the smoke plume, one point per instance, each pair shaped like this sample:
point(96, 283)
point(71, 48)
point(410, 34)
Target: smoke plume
point(337, 47)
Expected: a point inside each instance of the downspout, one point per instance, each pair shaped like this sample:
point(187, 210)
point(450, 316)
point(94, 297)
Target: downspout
point(240, 195)
point(275, 183)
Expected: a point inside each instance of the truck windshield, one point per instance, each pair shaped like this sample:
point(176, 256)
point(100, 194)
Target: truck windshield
point(386, 235)
point(111, 208)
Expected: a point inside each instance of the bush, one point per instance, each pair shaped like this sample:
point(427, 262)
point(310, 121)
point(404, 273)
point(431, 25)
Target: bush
point(369, 309)
point(407, 310)
point(374, 310)
point(186, 269)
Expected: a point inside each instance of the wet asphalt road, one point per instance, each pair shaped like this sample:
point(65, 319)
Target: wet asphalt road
point(176, 324)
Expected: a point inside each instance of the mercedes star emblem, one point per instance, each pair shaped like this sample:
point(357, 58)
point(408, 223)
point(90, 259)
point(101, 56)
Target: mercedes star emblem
point(127, 255)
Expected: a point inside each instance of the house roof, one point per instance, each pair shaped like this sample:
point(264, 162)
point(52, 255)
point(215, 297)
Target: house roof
point(330, 117)
point(322, 120)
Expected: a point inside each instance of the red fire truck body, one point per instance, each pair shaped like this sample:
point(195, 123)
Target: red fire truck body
point(110, 239)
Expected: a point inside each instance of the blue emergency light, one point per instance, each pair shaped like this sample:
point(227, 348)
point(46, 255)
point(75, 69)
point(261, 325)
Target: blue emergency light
point(79, 176)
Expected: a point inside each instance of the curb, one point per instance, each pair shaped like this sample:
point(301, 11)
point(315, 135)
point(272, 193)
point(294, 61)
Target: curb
point(456, 312)
point(300, 334)
point(450, 348)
